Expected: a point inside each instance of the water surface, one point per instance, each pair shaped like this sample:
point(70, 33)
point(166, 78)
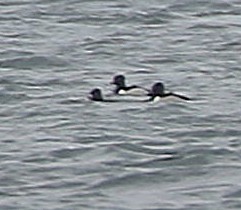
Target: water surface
point(61, 151)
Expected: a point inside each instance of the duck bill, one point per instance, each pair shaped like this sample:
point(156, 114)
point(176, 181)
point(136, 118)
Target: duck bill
point(112, 83)
point(90, 97)
point(149, 93)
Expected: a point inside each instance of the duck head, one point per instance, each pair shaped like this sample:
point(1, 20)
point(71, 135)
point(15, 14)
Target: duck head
point(157, 90)
point(96, 95)
point(119, 80)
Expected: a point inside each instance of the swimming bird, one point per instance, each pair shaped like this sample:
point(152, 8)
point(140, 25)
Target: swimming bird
point(122, 89)
point(96, 95)
point(158, 92)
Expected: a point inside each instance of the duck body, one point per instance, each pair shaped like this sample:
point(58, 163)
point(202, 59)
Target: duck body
point(158, 93)
point(96, 95)
point(122, 89)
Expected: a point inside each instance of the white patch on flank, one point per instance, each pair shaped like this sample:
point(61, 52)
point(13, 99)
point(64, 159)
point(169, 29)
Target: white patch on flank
point(166, 99)
point(171, 99)
point(137, 92)
point(133, 92)
point(122, 92)
point(157, 99)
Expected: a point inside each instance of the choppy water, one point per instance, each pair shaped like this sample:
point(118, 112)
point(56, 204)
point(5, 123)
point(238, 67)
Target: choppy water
point(60, 151)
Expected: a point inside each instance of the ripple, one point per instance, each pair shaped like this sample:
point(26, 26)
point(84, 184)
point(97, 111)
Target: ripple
point(61, 151)
point(69, 153)
point(29, 62)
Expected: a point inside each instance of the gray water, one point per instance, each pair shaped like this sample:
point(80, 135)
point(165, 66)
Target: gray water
point(61, 151)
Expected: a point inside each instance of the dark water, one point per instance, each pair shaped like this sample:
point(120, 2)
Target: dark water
point(60, 151)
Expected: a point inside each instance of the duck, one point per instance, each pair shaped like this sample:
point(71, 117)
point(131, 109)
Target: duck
point(157, 93)
point(96, 95)
point(122, 89)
